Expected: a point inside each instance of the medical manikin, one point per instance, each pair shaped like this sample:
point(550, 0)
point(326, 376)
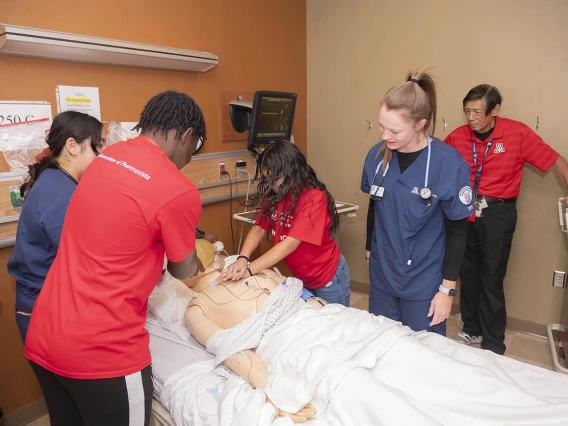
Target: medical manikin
point(220, 306)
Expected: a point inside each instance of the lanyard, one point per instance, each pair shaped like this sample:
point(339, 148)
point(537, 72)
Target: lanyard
point(478, 168)
point(427, 164)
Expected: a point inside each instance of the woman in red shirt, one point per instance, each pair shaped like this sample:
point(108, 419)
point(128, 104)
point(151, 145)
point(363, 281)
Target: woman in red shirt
point(299, 212)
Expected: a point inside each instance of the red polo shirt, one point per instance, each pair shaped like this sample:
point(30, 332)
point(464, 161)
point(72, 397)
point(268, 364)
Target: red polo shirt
point(316, 258)
point(514, 144)
point(131, 205)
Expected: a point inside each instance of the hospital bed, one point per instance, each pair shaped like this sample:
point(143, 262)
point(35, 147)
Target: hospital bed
point(562, 328)
point(171, 345)
point(350, 361)
point(170, 353)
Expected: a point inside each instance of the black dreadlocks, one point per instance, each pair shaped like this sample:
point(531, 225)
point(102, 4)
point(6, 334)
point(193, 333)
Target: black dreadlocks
point(172, 111)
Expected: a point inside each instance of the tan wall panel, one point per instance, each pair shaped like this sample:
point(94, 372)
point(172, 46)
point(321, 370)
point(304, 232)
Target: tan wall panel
point(204, 172)
point(358, 50)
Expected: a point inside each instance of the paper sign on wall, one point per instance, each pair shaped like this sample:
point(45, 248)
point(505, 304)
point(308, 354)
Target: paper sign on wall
point(24, 112)
point(81, 99)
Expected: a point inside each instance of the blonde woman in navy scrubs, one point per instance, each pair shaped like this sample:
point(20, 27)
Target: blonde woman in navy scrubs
point(420, 199)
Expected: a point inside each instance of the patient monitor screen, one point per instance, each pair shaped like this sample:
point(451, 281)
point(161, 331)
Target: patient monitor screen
point(272, 117)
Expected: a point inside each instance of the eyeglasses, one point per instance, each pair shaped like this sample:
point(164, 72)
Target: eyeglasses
point(199, 145)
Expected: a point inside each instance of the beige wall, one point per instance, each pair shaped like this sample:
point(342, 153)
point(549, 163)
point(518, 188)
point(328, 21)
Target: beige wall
point(358, 49)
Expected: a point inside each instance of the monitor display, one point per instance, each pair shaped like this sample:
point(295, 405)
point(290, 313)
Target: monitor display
point(272, 117)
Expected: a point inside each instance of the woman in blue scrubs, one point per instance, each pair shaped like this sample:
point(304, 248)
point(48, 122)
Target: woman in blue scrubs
point(420, 199)
point(75, 139)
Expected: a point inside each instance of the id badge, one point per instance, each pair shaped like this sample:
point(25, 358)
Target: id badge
point(377, 191)
point(479, 206)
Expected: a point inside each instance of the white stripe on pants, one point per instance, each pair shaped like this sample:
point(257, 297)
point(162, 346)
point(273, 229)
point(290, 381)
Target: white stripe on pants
point(136, 407)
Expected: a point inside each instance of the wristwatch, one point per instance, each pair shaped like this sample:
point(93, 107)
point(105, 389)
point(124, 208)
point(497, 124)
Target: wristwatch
point(448, 291)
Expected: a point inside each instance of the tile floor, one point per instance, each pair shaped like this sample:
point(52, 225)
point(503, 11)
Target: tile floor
point(520, 346)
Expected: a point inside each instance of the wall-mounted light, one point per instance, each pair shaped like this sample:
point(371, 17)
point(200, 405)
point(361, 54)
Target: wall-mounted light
point(32, 42)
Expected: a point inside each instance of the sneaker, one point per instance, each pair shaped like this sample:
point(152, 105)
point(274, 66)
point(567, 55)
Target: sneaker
point(466, 339)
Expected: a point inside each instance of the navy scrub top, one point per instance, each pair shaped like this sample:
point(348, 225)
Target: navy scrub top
point(38, 235)
point(409, 237)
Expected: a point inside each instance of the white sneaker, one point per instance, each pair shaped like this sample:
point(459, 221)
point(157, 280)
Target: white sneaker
point(466, 339)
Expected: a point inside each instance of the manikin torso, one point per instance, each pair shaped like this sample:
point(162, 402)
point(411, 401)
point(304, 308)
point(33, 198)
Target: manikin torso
point(231, 302)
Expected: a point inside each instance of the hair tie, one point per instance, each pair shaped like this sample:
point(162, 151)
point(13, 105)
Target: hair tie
point(414, 81)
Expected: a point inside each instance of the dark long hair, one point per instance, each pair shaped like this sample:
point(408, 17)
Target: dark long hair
point(287, 167)
point(68, 124)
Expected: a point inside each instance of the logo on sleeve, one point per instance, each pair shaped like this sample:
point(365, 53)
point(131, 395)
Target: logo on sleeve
point(465, 195)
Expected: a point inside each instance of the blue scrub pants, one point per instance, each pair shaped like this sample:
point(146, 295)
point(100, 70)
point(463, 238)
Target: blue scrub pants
point(338, 290)
point(411, 313)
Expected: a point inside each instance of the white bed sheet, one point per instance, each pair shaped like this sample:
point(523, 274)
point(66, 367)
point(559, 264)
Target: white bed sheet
point(170, 353)
point(358, 369)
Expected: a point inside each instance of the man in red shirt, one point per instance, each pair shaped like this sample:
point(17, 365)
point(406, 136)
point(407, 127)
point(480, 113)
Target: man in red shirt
point(496, 149)
point(86, 342)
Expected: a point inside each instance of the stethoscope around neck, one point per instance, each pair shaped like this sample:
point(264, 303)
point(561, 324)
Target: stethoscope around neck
point(377, 191)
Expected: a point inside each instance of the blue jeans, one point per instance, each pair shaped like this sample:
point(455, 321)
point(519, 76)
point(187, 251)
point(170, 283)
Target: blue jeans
point(338, 290)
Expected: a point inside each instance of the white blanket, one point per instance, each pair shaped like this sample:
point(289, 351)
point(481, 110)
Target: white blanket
point(282, 304)
point(358, 369)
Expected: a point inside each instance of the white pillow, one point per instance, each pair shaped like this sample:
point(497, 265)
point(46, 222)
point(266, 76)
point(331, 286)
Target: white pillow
point(168, 303)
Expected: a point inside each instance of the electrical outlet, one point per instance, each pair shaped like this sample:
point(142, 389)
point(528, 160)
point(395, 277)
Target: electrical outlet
point(222, 169)
point(559, 279)
point(241, 167)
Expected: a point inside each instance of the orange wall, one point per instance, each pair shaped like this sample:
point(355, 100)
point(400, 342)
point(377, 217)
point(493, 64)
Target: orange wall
point(260, 44)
